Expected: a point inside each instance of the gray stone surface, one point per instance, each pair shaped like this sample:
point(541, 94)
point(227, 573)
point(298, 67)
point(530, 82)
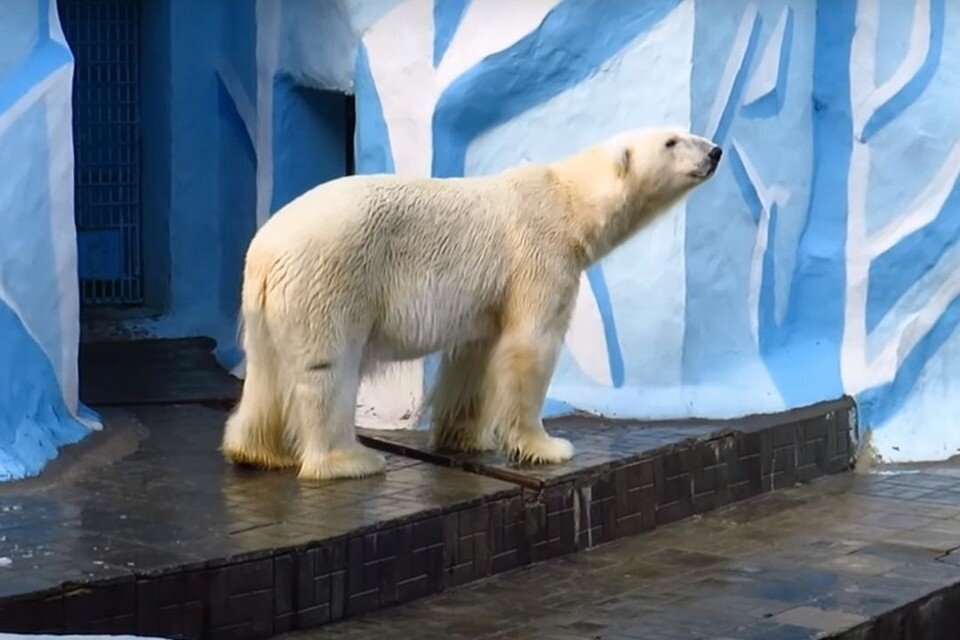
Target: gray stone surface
point(835, 557)
point(174, 503)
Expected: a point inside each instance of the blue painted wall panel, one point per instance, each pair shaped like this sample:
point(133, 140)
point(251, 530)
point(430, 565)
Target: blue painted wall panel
point(821, 260)
point(310, 133)
point(19, 33)
point(39, 410)
point(34, 421)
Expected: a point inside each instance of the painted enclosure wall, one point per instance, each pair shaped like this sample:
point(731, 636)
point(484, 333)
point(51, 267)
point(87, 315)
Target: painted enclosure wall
point(39, 325)
point(821, 260)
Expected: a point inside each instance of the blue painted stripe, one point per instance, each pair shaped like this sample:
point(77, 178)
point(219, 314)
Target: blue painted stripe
point(748, 190)
point(739, 83)
point(34, 421)
point(918, 83)
point(783, 69)
point(446, 18)
point(372, 139)
point(772, 103)
point(770, 335)
point(896, 270)
point(556, 56)
point(227, 108)
point(46, 58)
point(803, 352)
point(769, 332)
point(43, 21)
point(878, 405)
point(598, 285)
point(309, 137)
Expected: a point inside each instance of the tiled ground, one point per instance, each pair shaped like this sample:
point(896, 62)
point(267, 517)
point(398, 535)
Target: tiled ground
point(175, 502)
point(153, 371)
point(169, 540)
point(831, 559)
point(806, 435)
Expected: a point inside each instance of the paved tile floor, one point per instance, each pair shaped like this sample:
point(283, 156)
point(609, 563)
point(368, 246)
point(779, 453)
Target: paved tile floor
point(153, 371)
point(174, 502)
point(801, 563)
point(160, 496)
point(601, 442)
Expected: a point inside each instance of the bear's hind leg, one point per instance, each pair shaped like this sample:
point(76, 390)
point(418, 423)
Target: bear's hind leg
point(516, 386)
point(322, 421)
point(253, 435)
point(455, 401)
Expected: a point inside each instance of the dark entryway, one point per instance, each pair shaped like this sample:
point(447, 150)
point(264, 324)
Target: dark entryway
point(104, 36)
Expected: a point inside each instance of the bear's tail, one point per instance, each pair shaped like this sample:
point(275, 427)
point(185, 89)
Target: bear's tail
point(254, 431)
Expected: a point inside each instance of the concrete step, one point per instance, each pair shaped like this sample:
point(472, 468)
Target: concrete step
point(168, 540)
point(145, 529)
point(854, 556)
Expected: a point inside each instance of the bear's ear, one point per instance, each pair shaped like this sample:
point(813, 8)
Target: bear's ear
point(623, 162)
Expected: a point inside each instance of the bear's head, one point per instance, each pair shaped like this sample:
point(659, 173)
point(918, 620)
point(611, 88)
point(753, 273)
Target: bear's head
point(657, 167)
point(616, 187)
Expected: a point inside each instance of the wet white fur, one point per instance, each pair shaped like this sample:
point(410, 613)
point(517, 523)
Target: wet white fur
point(367, 270)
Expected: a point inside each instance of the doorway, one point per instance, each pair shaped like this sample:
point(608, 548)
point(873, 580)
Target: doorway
point(104, 36)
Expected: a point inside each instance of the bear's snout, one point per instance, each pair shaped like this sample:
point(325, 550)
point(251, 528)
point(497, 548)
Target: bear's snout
point(714, 155)
point(708, 166)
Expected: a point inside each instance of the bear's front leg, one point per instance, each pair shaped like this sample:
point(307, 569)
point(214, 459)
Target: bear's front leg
point(455, 401)
point(515, 389)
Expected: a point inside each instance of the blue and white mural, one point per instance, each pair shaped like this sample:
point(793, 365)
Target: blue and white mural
point(39, 324)
point(820, 261)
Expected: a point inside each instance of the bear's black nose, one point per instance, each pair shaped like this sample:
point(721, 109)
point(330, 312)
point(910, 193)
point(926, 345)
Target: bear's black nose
point(715, 154)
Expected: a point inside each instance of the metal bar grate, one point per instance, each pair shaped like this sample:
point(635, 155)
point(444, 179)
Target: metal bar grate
point(104, 38)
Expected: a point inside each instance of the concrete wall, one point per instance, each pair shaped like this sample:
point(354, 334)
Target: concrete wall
point(820, 260)
point(39, 329)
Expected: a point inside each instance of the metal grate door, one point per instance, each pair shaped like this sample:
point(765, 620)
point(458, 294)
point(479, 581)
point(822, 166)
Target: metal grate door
point(104, 38)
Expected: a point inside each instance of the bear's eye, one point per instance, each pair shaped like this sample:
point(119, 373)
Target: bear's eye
point(672, 142)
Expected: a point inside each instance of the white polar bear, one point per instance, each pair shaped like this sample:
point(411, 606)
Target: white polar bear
point(367, 270)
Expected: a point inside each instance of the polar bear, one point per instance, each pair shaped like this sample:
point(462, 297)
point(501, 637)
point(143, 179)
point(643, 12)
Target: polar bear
point(366, 270)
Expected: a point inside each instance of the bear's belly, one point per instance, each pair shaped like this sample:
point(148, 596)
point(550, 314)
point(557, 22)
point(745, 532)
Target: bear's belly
point(414, 330)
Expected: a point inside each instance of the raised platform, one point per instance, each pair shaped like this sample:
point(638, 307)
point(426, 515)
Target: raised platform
point(162, 538)
point(853, 556)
